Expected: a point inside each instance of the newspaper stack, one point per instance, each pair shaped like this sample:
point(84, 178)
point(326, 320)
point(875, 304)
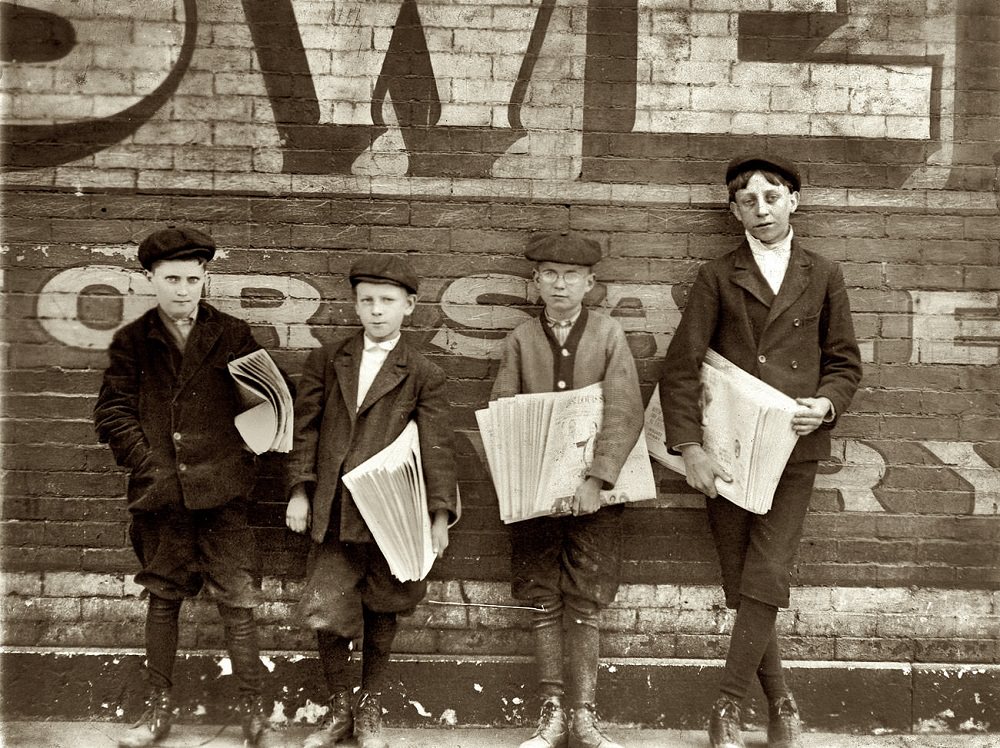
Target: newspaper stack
point(389, 491)
point(746, 429)
point(540, 446)
point(266, 425)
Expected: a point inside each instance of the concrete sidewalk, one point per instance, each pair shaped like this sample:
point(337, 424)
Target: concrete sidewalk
point(105, 735)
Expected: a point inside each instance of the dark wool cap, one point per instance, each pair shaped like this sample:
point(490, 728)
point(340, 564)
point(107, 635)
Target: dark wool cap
point(379, 268)
point(567, 247)
point(175, 243)
point(754, 161)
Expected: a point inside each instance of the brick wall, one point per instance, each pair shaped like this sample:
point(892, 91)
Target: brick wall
point(301, 137)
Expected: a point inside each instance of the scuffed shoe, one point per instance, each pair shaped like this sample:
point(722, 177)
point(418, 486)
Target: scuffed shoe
point(368, 721)
point(724, 725)
point(552, 729)
point(337, 725)
point(153, 725)
point(784, 729)
point(586, 733)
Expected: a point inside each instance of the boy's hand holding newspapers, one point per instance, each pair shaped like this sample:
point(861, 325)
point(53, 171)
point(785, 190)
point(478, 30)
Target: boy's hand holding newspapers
point(701, 470)
point(587, 498)
point(297, 513)
point(439, 532)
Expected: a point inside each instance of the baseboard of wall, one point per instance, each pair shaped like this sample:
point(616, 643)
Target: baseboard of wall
point(77, 684)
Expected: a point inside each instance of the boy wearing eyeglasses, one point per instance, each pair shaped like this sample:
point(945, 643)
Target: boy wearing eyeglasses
point(567, 567)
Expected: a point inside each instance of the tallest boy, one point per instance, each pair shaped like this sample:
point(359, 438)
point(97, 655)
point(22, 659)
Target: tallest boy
point(780, 312)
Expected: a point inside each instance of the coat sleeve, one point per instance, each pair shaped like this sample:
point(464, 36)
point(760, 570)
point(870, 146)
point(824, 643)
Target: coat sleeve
point(433, 417)
point(116, 413)
point(840, 357)
point(310, 401)
point(623, 412)
point(508, 381)
point(680, 380)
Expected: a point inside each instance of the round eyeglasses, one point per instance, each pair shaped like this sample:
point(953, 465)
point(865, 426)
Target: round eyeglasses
point(570, 277)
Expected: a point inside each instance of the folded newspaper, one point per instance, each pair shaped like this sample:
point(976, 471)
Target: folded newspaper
point(266, 425)
point(540, 446)
point(389, 491)
point(746, 429)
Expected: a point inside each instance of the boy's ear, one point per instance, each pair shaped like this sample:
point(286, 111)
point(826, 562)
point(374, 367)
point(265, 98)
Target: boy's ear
point(411, 298)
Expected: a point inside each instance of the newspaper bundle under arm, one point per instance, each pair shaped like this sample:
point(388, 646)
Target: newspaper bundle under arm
point(746, 429)
point(266, 425)
point(389, 491)
point(539, 447)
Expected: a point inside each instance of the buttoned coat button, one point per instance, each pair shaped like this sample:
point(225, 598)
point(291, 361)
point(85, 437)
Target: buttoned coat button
point(762, 358)
point(795, 364)
point(182, 467)
point(565, 352)
point(797, 322)
point(177, 436)
point(561, 384)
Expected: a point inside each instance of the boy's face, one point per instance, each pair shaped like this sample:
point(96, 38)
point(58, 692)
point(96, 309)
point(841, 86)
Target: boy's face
point(382, 307)
point(764, 209)
point(178, 285)
point(562, 287)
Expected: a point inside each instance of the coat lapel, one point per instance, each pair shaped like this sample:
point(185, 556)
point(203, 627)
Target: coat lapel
point(794, 284)
point(347, 365)
point(747, 275)
point(391, 374)
point(203, 337)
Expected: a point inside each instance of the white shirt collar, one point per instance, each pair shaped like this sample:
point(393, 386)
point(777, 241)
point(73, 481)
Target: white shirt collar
point(782, 247)
point(383, 345)
point(563, 322)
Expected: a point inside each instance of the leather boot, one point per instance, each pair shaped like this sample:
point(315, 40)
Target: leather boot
point(784, 730)
point(585, 732)
point(153, 725)
point(552, 728)
point(724, 724)
point(253, 718)
point(368, 721)
point(337, 725)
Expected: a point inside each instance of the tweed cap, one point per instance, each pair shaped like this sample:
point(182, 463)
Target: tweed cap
point(384, 268)
point(566, 247)
point(768, 162)
point(175, 243)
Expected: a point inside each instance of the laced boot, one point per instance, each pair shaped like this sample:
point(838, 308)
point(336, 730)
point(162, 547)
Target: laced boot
point(724, 725)
point(784, 730)
point(586, 733)
point(253, 718)
point(153, 725)
point(368, 721)
point(552, 728)
point(337, 725)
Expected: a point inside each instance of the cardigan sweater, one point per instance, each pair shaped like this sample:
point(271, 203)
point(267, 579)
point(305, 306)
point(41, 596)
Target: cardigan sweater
point(595, 351)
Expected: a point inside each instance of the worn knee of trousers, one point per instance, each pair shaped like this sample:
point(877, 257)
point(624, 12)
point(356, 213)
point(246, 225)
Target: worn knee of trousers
point(583, 612)
point(241, 640)
point(548, 612)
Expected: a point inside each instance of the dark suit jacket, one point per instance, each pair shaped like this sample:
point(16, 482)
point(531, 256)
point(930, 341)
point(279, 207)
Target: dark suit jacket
point(168, 418)
point(332, 437)
point(800, 341)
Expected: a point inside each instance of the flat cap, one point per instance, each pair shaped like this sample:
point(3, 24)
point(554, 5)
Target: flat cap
point(175, 243)
point(768, 162)
point(384, 268)
point(567, 247)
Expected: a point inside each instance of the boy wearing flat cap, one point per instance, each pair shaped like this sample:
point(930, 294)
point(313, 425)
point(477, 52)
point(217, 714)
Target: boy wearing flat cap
point(353, 400)
point(567, 567)
point(780, 312)
point(166, 409)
